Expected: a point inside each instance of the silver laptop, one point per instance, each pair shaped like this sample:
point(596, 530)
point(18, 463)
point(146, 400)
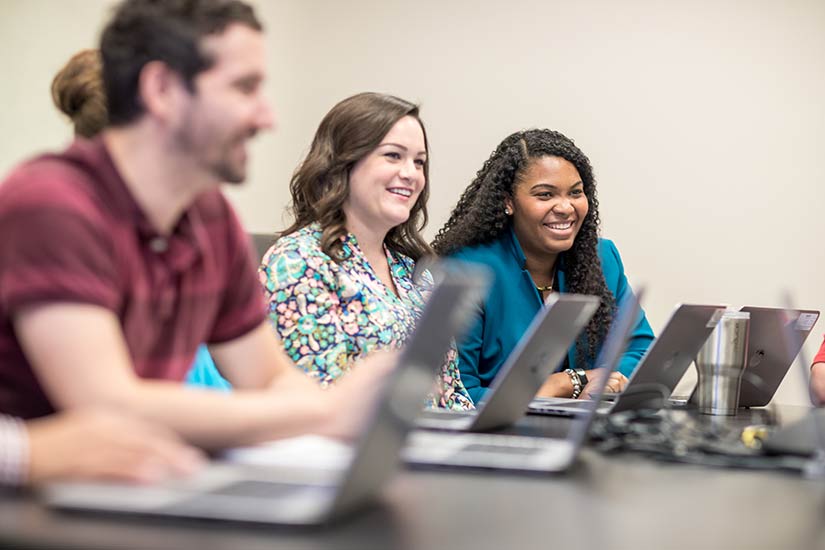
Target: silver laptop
point(538, 353)
point(769, 355)
point(238, 492)
point(519, 453)
point(660, 369)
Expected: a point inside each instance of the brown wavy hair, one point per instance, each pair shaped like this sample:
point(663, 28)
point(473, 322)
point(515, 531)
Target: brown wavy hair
point(479, 218)
point(77, 91)
point(320, 185)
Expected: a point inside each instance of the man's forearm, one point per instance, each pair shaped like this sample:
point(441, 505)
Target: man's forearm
point(215, 420)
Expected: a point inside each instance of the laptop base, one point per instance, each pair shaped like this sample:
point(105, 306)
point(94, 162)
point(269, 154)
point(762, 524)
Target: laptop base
point(489, 452)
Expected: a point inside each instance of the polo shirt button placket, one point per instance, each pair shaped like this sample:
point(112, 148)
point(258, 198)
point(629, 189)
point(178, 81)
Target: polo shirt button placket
point(159, 245)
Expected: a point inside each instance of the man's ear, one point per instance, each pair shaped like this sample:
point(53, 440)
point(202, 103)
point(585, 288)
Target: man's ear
point(161, 91)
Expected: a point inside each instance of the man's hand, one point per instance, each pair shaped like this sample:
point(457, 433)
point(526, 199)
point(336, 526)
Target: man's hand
point(86, 445)
point(353, 398)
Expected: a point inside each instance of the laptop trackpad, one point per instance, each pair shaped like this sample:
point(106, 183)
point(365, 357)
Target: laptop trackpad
point(255, 500)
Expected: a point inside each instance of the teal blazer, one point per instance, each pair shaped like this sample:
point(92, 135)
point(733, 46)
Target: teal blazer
point(513, 301)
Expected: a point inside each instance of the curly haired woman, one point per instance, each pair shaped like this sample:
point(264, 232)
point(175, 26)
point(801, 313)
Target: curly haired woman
point(531, 214)
point(339, 279)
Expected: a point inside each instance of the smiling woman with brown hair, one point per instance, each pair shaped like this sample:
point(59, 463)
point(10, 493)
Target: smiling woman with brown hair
point(531, 214)
point(339, 279)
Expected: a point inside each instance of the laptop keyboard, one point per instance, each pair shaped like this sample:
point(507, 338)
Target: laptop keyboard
point(486, 443)
point(223, 502)
point(497, 451)
point(257, 489)
point(508, 444)
point(501, 449)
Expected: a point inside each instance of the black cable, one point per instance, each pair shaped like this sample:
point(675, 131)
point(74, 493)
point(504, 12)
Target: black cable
point(674, 435)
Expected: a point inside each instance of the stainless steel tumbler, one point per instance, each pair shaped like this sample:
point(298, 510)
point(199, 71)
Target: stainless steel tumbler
point(721, 363)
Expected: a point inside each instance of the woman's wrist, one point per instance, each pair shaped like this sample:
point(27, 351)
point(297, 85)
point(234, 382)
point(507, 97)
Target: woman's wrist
point(556, 385)
point(576, 382)
point(565, 384)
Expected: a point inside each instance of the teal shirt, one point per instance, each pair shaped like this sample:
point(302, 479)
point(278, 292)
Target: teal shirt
point(204, 373)
point(512, 303)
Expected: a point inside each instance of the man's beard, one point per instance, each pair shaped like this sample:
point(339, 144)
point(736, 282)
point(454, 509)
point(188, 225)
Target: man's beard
point(213, 159)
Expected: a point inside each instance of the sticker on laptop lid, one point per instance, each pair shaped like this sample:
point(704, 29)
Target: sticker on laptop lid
point(714, 320)
point(806, 321)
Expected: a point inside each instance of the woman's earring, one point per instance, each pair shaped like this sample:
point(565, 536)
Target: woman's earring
point(507, 210)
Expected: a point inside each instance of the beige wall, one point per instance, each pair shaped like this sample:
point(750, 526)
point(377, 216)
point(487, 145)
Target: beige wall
point(704, 120)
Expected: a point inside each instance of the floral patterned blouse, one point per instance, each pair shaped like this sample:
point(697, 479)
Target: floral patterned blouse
point(329, 314)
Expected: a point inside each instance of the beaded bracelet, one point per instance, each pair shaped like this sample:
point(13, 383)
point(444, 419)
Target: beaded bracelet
point(576, 381)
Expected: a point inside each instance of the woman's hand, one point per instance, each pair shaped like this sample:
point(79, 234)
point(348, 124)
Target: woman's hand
point(615, 383)
point(560, 385)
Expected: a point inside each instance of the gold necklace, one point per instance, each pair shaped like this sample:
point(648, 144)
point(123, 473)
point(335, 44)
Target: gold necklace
point(548, 288)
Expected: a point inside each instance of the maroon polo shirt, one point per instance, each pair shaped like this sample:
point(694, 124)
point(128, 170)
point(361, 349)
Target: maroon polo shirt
point(70, 231)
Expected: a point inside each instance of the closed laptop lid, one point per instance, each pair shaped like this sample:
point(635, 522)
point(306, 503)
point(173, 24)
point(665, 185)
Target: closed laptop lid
point(770, 351)
point(807, 435)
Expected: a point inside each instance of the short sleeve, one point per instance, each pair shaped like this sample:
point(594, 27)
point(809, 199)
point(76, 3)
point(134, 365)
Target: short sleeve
point(54, 253)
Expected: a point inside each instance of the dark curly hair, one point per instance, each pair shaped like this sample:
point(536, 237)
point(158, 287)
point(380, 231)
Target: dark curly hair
point(320, 185)
point(479, 218)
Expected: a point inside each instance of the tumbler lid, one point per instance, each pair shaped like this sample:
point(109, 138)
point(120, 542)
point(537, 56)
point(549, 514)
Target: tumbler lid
point(736, 315)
